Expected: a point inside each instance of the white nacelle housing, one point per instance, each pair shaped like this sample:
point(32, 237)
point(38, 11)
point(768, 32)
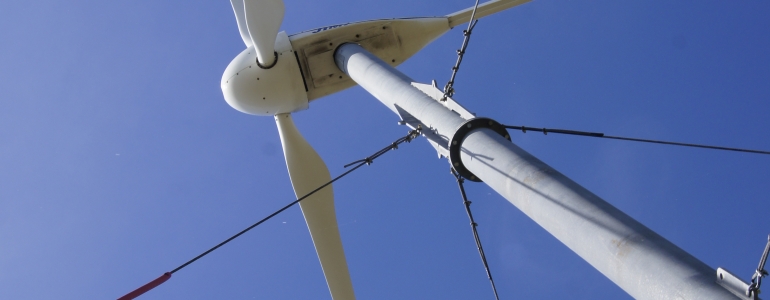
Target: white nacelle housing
point(252, 89)
point(305, 69)
point(392, 40)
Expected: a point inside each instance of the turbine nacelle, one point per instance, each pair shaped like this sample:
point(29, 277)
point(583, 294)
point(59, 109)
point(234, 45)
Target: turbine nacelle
point(252, 88)
point(305, 69)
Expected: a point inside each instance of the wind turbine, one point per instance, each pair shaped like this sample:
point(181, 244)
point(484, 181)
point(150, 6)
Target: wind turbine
point(325, 61)
point(121, 159)
point(278, 74)
point(242, 96)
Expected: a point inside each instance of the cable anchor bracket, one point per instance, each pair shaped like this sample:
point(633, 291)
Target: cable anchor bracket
point(756, 279)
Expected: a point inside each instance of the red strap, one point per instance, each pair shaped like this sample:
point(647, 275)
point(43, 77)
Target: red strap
point(143, 289)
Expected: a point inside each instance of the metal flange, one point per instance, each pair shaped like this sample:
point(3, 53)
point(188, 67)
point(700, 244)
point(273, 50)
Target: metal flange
point(455, 144)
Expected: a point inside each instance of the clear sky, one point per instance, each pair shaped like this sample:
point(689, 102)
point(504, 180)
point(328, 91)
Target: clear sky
point(120, 160)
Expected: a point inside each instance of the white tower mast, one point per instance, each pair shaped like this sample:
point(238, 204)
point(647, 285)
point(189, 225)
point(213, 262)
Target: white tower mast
point(637, 259)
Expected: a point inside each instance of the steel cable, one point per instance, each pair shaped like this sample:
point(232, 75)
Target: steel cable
point(602, 135)
point(449, 87)
point(467, 205)
point(368, 160)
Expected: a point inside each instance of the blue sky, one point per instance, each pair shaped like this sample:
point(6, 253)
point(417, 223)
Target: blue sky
point(120, 160)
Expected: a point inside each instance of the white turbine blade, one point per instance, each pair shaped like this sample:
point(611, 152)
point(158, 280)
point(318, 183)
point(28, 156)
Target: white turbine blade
point(240, 17)
point(308, 171)
point(263, 18)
